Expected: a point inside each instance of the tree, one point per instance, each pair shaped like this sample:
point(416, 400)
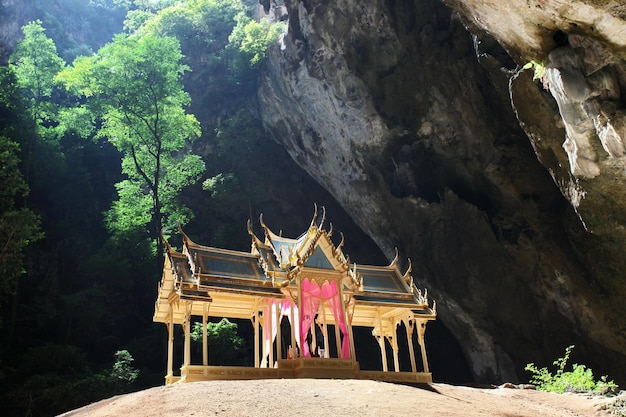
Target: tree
point(19, 226)
point(133, 84)
point(202, 27)
point(252, 38)
point(35, 62)
point(227, 347)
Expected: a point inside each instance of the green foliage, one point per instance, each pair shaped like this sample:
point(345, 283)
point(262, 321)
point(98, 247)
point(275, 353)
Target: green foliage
point(579, 379)
point(221, 42)
point(133, 83)
point(19, 226)
point(79, 27)
point(539, 69)
point(135, 19)
point(226, 346)
point(122, 369)
point(36, 62)
point(58, 378)
point(252, 38)
point(220, 184)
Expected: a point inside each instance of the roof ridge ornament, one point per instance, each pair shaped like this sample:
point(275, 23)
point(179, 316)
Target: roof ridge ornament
point(255, 240)
point(314, 216)
point(168, 247)
point(186, 240)
point(407, 274)
point(395, 259)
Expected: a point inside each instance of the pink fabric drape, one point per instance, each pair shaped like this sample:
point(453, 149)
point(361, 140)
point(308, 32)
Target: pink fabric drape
point(269, 328)
point(330, 292)
point(309, 304)
point(286, 306)
point(311, 296)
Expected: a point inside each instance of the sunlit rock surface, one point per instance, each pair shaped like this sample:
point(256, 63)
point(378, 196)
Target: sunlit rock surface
point(402, 111)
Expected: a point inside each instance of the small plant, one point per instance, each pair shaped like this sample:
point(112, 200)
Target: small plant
point(539, 69)
point(122, 371)
point(579, 379)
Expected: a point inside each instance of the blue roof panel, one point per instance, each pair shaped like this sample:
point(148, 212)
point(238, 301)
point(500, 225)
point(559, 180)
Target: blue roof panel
point(318, 259)
point(230, 265)
point(381, 281)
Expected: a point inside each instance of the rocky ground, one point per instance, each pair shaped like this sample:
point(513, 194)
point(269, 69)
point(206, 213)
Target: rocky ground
point(311, 397)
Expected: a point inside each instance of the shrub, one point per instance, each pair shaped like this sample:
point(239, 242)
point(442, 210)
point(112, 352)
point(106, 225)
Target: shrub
point(579, 379)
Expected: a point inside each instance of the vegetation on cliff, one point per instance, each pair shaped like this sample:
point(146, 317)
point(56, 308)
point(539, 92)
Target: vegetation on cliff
point(97, 158)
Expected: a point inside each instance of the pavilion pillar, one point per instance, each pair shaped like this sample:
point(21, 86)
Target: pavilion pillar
point(325, 331)
point(292, 312)
point(393, 340)
point(421, 330)
point(205, 346)
point(348, 320)
point(279, 345)
point(381, 342)
point(264, 353)
point(410, 327)
point(313, 336)
point(351, 335)
point(170, 343)
point(269, 321)
point(338, 339)
point(187, 354)
point(255, 324)
point(299, 318)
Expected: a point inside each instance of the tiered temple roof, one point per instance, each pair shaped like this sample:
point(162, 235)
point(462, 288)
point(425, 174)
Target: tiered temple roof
point(309, 281)
point(231, 280)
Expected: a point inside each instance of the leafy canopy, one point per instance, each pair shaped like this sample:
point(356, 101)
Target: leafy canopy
point(227, 346)
point(36, 62)
point(133, 85)
point(19, 226)
point(252, 38)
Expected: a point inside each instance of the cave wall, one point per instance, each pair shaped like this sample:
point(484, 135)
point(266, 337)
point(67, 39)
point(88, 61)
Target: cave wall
point(402, 111)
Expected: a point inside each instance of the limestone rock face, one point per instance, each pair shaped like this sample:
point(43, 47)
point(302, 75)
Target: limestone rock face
point(15, 13)
point(402, 111)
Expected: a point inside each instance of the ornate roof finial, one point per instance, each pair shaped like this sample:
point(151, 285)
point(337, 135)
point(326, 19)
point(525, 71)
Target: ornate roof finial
point(395, 259)
point(323, 217)
point(409, 269)
point(256, 242)
point(314, 216)
point(186, 240)
point(168, 247)
point(343, 240)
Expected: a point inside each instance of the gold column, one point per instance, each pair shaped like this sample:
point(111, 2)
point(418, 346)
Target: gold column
point(170, 343)
point(255, 324)
point(381, 342)
point(421, 330)
point(187, 355)
point(325, 331)
point(299, 318)
point(205, 346)
point(270, 332)
point(293, 328)
point(279, 345)
point(338, 339)
point(394, 345)
point(410, 327)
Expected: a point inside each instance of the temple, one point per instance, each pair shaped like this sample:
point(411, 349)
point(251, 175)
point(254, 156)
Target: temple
point(307, 283)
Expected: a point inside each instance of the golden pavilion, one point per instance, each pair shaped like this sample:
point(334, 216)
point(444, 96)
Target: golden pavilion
point(306, 281)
